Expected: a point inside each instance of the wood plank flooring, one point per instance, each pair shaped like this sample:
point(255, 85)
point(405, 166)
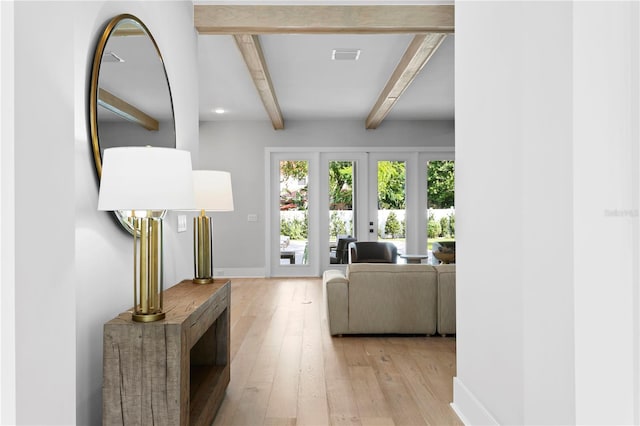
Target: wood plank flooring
point(287, 370)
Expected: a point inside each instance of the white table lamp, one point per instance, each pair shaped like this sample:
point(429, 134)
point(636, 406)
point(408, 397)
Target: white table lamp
point(142, 182)
point(212, 193)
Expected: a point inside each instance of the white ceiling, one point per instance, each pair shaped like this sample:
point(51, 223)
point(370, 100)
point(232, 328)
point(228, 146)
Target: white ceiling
point(310, 86)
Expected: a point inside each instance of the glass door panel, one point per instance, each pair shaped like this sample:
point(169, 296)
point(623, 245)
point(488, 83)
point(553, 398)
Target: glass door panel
point(342, 219)
point(294, 212)
point(441, 213)
point(391, 214)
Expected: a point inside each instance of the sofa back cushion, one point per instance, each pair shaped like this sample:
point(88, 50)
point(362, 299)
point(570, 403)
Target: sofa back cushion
point(391, 298)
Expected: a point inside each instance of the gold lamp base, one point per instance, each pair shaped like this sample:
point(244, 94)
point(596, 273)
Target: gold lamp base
point(147, 317)
point(202, 249)
point(148, 270)
point(208, 280)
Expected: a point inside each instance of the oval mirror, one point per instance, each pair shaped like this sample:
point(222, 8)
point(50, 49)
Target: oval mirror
point(130, 100)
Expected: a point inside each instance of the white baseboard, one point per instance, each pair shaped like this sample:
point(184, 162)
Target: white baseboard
point(468, 408)
point(239, 272)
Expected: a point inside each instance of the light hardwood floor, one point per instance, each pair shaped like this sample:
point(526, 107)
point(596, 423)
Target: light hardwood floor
point(287, 370)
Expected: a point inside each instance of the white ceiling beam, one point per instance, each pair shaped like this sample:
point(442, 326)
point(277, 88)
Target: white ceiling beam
point(328, 19)
point(249, 46)
point(420, 50)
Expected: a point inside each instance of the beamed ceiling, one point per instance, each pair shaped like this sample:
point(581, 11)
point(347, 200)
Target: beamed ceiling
point(275, 62)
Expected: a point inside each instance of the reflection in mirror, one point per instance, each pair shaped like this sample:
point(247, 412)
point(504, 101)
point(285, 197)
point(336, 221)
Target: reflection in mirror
point(130, 100)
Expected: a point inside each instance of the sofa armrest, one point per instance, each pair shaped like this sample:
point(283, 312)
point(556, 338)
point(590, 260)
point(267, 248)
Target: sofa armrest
point(335, 289)
point(446, 299)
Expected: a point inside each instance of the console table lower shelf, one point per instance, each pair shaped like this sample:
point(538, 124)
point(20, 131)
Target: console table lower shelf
point(173, 371)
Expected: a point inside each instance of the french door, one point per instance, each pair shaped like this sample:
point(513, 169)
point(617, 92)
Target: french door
point(392, 179)
point(343, 203)
point(315, 198)
point(292, 230)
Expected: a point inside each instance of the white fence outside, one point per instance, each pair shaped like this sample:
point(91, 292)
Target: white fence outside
point(347, 216)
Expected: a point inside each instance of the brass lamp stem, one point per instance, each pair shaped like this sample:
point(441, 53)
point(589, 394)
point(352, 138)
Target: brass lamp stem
point(202, 249)
point(147, 253)
point(144, 266)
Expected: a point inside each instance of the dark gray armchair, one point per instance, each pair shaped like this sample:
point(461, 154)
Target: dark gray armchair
point(341, 254)
point(372, 252)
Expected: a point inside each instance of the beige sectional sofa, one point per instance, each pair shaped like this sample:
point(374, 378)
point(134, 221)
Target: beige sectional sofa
point(390, 298)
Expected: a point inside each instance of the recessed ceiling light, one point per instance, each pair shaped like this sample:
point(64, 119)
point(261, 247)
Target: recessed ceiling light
point(345, 54)
point(219, 111)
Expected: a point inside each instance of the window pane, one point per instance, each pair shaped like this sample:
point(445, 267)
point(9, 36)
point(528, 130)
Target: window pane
point(294, 218)
point(341, 207)
point(392, 203)
point(441, 215)
point(341, 220)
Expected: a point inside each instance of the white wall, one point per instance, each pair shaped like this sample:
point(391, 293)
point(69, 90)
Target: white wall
point(44, 215)
point(605, 123)
point(546, 334)
point(240, 149)
point(72, 264)
point(7, 219)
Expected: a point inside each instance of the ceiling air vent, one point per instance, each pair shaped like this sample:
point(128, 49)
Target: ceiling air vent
point(345, 54)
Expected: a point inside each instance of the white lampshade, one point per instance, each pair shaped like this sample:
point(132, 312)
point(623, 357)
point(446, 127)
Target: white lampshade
point(146, 178)
point(213, 190)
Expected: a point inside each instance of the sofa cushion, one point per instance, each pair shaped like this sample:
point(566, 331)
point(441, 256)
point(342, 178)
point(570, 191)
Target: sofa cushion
point(356, 268)
point(392, 298)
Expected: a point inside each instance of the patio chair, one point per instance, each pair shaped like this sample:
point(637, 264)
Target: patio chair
point(341, 254)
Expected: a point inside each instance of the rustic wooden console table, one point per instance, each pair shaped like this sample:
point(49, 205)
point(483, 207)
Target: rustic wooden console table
point(173, 371)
